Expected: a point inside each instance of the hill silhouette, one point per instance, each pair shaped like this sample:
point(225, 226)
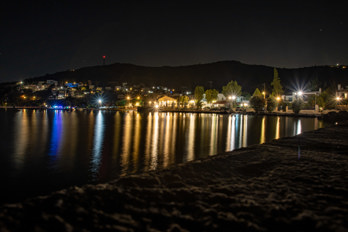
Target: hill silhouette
point(211, 75)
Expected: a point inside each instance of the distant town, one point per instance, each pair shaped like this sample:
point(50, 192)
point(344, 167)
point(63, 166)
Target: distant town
point(54, 94)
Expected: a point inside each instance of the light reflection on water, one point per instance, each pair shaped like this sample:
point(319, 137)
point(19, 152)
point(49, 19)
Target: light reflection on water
point(81, 147)
point(97, 143)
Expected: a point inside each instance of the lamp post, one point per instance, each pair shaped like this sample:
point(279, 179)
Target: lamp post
point(338, 99)
point(233, 99)
point(278, 100)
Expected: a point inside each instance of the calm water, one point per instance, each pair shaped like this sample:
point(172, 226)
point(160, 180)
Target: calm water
point(43, 151)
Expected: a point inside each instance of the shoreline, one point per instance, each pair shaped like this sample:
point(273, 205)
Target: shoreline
point(303, 113)
point(294, 183)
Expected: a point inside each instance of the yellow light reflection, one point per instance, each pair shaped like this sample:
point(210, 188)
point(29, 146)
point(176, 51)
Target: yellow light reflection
point(148, 141)
point(127, 141)
point(167, 134)
point(117, 131)
point(191, 138)
point(136, 141)
point(154, 145)
point(245, 130)
point(69, 135)
point(173, 139)
point(21, 137)
point(263, 130)
point(277, 128)
point(240, 131)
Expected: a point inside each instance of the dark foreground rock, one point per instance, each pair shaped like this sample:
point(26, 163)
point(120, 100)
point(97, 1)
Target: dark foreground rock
point(292, 184)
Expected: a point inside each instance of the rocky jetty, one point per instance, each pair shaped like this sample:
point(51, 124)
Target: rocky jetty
point(292, 184)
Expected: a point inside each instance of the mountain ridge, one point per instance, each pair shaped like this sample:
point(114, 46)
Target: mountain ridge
point(210, 75)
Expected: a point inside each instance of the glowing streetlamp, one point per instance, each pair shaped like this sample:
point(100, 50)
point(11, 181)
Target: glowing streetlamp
point(264, 94)
point(100, 101)
point(338, 99)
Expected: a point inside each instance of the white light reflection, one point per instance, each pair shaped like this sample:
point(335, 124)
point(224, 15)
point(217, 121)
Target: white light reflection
point(230, 143)
point(213, 134)
point(98, 142)
point(298, 127)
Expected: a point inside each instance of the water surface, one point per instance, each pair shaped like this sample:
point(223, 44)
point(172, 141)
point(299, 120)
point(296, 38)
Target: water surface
point(43, 151)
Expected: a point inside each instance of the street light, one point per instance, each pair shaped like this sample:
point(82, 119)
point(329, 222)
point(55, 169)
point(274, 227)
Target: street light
point(300, 93)
point(100, 101)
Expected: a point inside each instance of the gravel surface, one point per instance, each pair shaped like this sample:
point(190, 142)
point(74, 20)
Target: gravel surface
point(291, 184)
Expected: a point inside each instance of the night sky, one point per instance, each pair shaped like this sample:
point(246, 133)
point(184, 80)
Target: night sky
point(50, 36)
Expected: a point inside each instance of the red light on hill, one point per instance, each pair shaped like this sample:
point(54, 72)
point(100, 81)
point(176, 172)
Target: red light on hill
point(104, 57)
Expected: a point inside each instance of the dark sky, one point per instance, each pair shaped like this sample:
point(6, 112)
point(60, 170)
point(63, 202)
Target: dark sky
point(39, 37)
